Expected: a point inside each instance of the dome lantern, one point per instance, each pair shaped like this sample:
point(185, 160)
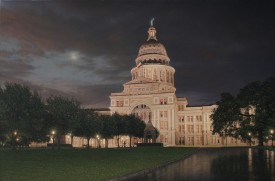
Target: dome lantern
point(152, 51)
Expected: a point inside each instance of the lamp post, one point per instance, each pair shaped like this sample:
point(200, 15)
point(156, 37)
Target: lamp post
point(53, 136)
point(14, 141)
point(271, 132)
point(249, 134)
point(98, 141)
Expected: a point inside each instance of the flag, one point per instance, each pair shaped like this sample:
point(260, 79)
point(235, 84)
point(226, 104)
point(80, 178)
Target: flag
point(139, 65)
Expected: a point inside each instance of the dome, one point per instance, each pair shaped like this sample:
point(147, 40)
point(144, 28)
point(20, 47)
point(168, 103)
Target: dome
point(152, 51)
point(152, 47)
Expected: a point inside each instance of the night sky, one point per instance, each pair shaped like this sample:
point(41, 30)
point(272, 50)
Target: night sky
point(86, 50)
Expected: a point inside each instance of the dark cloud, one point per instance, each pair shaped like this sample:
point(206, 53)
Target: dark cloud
point(215, 46)
point(89, 95)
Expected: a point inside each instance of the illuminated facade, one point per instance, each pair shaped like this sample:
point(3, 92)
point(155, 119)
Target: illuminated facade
point(151, 96)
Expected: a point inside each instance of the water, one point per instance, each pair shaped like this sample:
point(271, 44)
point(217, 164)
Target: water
point(218, 164)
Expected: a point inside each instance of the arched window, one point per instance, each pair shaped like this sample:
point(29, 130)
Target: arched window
point(143, 111)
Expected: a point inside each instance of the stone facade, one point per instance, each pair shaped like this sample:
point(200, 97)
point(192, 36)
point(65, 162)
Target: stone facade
point(151, 95)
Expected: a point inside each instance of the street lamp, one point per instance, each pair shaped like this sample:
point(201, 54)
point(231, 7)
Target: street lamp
point(249, 134)
point(98, 141)
point(53, 136)
point(271, 132)
point(14, 139)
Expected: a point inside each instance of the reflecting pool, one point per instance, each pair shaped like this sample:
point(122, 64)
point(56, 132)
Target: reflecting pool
point(218, 164)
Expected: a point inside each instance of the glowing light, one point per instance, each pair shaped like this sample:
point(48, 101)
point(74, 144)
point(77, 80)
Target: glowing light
point(74, 55)
point(15, 133)
point(53, 132)
point(271, 131)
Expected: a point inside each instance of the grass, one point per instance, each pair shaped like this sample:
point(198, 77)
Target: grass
point(82, 164)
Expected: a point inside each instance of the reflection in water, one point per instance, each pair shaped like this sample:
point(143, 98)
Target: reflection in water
point(250, 159)
point(218, 164)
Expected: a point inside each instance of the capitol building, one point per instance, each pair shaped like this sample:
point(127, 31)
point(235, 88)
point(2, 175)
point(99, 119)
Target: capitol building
point(151, 95)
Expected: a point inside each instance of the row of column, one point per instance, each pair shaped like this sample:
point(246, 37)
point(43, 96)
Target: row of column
point(161, 75)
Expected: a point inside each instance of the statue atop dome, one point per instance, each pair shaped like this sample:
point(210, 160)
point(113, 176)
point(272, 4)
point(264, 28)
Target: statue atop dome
point(152, 31)
point(152, 22)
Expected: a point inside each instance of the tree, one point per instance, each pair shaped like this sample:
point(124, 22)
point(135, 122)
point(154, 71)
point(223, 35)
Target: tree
point(63, 112)
point(22, 112)
point(15, 99)
point(107, 131)
point(3, 121)
point(140, 126)
point(35, 126)
point(226, 116)
point(89, 125)
point(119, 127)
point(134, 126)
point(131, 123)
point(249, 114)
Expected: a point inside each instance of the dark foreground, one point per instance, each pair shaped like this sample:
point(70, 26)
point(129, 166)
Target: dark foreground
point(82, 164)
point(218, 164)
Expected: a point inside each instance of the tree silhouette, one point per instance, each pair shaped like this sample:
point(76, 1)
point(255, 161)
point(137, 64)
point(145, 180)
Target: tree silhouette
point(63, 112)
point(249, 114)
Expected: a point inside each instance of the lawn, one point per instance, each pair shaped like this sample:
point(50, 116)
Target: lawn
point(82, 164)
